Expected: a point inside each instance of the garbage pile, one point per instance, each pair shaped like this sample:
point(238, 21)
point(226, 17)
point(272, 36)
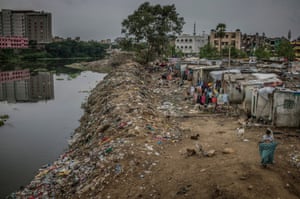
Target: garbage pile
point(295, 159)
point(124, 129)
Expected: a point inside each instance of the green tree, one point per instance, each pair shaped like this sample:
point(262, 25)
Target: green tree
point(285, 49)
point(208, 51)
point(220, 32)
point(262, 53)
point(234, 52)
point(72, 48)
point(154, 25)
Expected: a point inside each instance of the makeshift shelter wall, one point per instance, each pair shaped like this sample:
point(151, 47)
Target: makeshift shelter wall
point(263, 107)
point(202, 74)
point(286, 109)
point(235, 95)
point(248, 92)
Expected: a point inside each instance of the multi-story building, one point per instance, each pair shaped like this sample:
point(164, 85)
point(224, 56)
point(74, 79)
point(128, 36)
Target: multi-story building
point(21, 86)
point(14, 85)
point(250, 43)
point(34, 25)
point(7, 76)
point(273, 43)
point(13, 42)
point(230, 39)
point(296, 47)
point(38, 26)
point(42, 86)
point(191, 44)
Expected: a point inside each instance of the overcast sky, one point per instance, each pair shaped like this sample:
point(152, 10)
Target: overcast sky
point(101, 19)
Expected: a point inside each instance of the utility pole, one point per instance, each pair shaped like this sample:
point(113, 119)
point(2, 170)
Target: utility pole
point(229, 56)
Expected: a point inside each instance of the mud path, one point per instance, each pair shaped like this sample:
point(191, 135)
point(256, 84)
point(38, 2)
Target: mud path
point(233, 174)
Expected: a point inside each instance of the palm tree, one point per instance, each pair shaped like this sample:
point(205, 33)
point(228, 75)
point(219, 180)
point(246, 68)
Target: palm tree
point(220, 32)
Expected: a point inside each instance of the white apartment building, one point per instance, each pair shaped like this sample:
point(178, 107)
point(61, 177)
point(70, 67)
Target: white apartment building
point(191, 44)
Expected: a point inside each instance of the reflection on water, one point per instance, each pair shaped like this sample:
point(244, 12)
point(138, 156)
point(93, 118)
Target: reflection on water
point(44, 112)
point(21, 86)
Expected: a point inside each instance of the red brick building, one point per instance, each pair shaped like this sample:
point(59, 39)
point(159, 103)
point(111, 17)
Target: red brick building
point(13, 42)
point(7, 76)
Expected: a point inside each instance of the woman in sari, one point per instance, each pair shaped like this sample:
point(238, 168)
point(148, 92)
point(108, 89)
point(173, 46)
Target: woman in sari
point(266, 151)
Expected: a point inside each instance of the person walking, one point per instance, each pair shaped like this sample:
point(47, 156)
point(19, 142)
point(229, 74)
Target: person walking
point(266, 152)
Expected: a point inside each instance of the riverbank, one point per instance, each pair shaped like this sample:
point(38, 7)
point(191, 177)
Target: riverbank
point(141, 138)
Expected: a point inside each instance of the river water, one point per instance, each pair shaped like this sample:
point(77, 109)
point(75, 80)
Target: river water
point(44, 109)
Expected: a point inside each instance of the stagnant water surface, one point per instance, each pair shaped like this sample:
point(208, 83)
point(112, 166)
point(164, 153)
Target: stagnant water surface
point(44, 110)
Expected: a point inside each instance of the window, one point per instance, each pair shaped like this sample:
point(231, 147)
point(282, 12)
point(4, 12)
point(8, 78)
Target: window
point(191, 40)
point(288, 104)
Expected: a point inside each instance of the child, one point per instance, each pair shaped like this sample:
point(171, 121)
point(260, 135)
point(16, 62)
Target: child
point(268, 136)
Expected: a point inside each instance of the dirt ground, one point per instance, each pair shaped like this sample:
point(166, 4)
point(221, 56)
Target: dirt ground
point(236, 174)
point(227, 167)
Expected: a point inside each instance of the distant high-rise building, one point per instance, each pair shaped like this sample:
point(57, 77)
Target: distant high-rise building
point(38, 27)
point(34, 25)
point(20, 85)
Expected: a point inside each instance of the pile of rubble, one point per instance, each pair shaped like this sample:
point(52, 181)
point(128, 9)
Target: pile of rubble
point(295, 159)
point(124, 122)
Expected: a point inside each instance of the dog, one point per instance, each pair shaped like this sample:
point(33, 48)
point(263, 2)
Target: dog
point(240, 132)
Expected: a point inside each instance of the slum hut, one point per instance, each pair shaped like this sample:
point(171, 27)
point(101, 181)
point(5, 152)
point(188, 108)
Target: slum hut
point(201, 73)
point(261, 107)
point(210, 62)
point(239, 86)
point(231, 83)
point(272, 68)
point(295, 67)
point(286, 108)
point(258, 80)
point(218, 75)
point(279, 106)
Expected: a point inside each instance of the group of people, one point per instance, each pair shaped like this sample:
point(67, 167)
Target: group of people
point(204, 93)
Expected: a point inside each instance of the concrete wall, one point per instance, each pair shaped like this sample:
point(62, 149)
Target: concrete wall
point(286, 109)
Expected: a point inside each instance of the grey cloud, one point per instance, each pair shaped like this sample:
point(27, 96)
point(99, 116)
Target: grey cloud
point(101, 19)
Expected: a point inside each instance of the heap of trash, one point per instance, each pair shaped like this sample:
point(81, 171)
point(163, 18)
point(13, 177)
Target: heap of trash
point(295, 159)
point(124, 122)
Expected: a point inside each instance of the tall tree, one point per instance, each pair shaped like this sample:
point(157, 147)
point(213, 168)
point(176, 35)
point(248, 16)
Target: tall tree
point(285, 49)
point(208, 51)
point(153, 24)
point(262, 53)
point(220, 32)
